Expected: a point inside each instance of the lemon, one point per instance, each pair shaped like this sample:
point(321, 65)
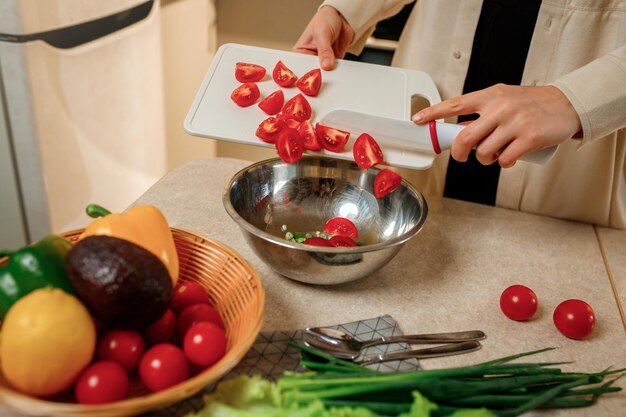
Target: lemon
point(48, 337)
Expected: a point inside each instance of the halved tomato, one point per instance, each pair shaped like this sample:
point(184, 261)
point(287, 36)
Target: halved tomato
point(289, 145)
point(298, 108)
point(283, 76)
point(385, 182)
point(273, 103)
point(311, 82)
point(317, 241)
point(342, 242)
point(366, 151)
point(246, 94)
point(248, 73)
point(340, 226)
point(288, 120)
point(309, 138)
point(269, 128)
point(332, 139)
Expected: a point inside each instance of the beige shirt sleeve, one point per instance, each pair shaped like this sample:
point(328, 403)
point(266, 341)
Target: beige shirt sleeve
point(598, 93)
point(362, 16)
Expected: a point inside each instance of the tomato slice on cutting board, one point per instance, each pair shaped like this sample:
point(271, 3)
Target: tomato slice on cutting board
point(288, 120)
point(311, 82)
point(366, 151)
point(246, 94)
point(249, 73)
point(273, 103)
point(386, 181)
point(332, 139)
point(283, 76)
point(340, 226)
point(289, 145)
point(309, 138)
point(269, 128)
point(298, 108)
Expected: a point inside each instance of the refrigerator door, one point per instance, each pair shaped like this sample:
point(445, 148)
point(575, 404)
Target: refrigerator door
point(86, 117)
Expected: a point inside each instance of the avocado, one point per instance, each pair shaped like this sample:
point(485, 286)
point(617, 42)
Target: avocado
point(123, 284)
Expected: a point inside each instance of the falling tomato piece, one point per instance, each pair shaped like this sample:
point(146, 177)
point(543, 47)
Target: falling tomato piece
point(249, 73)
point(310, 140)
point(289, 145)
point(366, 151)
point(340, 226)
point(246, 94)
point(273, 103)
point(386, 181)
point(283, 76)
point(332, 139)
point(269, 128)
point(311, 82)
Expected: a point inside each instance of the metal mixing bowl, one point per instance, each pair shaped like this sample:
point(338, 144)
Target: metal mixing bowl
point(270, 195)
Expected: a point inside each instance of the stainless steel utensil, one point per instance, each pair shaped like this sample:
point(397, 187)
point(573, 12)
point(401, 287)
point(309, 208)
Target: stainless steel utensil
point(448, 349)
point(344, 346)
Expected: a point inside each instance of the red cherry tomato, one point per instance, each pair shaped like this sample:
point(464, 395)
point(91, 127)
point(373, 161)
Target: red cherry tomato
point(342, 242)
point(283, 76)
point(188, 293)
point(162, 330)
point(269, 128)
point(366, 151)
point(248, 73)
point(311, 82)
point(518, 302)
point(574, 319)
point(102, 382)
point(289, 145)
point(318, 241)
point(246, 94)
point(125, 347)
point(332, 139)
point(298, 108)
point(386, 181)
point(310, 140)
point(340, 226)
point(204, 344)
point(196, 314)
point(273, 103)
point(288, 120)
point(163, 366)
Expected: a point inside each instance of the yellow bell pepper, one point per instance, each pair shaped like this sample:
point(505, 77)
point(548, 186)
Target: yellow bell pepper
point(144, 226)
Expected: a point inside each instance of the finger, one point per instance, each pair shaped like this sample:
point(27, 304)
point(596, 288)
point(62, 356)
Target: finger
point(471, 136)
point(322, 39)
point(455, 106)
point(514, 151)
point(489, 149)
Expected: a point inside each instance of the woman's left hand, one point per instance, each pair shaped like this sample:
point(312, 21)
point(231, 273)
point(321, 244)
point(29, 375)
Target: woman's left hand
point(512, 122)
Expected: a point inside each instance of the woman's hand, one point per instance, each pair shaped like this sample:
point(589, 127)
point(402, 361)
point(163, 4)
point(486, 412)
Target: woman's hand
point(513, 121)
point(327, 35)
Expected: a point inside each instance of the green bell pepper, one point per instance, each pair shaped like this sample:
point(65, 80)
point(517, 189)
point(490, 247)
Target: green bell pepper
point(31, 267)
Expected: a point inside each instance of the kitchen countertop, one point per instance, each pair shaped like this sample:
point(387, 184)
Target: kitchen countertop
point(447, 278)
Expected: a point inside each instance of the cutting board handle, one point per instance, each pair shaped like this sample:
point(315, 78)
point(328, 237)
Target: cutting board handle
point(420, 84)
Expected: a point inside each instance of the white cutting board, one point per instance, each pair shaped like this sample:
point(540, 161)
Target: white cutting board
point(367, 88)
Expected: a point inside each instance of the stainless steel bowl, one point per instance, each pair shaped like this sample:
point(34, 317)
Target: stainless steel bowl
point(271, 194)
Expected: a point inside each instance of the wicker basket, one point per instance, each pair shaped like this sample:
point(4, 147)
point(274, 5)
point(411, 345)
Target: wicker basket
point(236, 293)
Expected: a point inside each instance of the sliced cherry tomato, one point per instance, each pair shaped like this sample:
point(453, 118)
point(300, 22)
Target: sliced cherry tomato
point(102, 382)
point(318, 241)
point(269, 128)
point(289, 120)
point(246, 94)
point(309, 138)
point(163, 366)
point(574, 319)
point(311, 82)
point(188, 293)
point(518, 302)
point(298, 108)
point(283, 76)
point(342, 242)
point(273, 103)
point(204, 344)
point(196, 314)
point(248, 73)
point(289, 145)
point(386, 181)
point(162, 330)
point(332, 139)
point(125, 347)
point(366, 151)
point(340, 226)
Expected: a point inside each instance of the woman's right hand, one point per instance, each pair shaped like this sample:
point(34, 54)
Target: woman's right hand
point(327, 35)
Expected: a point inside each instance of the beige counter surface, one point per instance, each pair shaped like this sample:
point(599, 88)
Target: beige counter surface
point(447, 278)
